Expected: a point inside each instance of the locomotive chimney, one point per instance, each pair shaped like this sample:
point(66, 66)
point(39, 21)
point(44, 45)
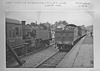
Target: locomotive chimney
point(23, 22)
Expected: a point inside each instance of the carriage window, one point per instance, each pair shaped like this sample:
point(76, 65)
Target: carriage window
point(20, 32)
point(17, 31)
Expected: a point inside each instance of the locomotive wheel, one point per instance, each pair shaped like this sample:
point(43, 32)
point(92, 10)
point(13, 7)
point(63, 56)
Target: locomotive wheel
point(67, 47)
point(48, 42)
point(60, 47)
point(37, 44)
point(25, 50)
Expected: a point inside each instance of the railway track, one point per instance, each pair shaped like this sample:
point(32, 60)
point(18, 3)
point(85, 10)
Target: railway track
point(52, 61)
point(28, 54)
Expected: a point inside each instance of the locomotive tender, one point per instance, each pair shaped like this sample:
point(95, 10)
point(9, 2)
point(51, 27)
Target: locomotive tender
point(69, 36)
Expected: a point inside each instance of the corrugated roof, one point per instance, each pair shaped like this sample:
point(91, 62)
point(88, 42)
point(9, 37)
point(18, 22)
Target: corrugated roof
point(12, 21)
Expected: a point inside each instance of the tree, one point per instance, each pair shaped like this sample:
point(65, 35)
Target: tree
point(43, 26)
point(64, 22)
point(33, 24)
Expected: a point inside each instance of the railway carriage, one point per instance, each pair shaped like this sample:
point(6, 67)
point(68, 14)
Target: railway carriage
point(14, 37)
point(14, 32)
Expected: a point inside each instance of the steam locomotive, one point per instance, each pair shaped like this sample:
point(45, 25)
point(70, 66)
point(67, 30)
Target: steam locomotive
point(24, 38)
point(67, 37)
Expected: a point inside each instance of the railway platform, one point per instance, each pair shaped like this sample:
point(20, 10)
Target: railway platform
point(81, 55)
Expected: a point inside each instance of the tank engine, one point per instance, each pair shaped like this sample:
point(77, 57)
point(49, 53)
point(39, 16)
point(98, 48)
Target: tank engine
point(24, 39)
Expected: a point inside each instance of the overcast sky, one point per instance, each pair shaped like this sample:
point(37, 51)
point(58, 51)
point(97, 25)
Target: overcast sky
point(72, 17)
